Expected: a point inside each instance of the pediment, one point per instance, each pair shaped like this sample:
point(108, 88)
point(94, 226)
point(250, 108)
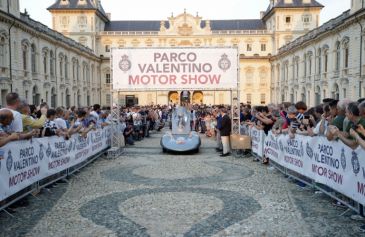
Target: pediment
point(186, 24)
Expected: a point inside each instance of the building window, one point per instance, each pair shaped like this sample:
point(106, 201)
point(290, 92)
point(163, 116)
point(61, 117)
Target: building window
point(108, 99)
point(346, 55)
point(45, 62)
point(249, 98)
point(66, 67)
point(33, 57)
point(25, 56)
point(297, 68)
point(77, 70)
point(319, 61)
point(326, 61)
point(287, 20)
point(73, 69)
point(263, 99)
point(306, 18)
point(310, 64)
point(61, 68)
point(107, 78)
point(338, 55)
point(107, 48)
point(51, 61)
point(263, 47)
point(305, 65)
point(249, 47)
point(2, 52)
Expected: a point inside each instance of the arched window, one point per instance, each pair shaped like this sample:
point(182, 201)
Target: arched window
point(33, 58)
point(74, 69)
point(296, 67)
point(338, 56)
point(325, 56)
point(36, 96)
point(346, 53)
point(305, 65)
point(77, 70)
point(51, 63)
point(3, 59)
point(68, 98)
point(61, 64)
point(25, 56)
point(53, 97)
point(319, 61)
point(66, 67)
point(45, 60)
point(310, 64)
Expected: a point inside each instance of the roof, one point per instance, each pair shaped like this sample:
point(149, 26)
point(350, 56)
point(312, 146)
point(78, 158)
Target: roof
point(329, 26)
point(214, 25)
point(237, 24)
point(294, 4)
point(75, 5)
point(41, 28)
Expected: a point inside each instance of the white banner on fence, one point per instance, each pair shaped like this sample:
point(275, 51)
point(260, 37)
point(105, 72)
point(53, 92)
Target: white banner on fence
point(330, 163)
point(23, 163)
point(257, 140)
point(174, 68)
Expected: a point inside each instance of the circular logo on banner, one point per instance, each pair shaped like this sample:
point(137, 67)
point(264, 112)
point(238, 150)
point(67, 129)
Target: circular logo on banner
point(49, 151)
point(224, 63)
point(343, 159)
point(355, 163)
point(125, 64)
point(9, 161)
point(309, 151)
point(41, 153)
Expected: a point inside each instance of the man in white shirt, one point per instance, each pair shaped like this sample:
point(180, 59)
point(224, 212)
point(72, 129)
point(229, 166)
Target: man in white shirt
point(59, 120)
point(96, 111)
point(12, 104)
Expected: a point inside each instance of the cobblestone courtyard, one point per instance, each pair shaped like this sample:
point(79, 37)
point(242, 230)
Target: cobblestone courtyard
point(148, 193)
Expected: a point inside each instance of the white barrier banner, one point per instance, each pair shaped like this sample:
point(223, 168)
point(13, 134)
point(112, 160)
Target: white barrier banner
point(23, 163)
point(174, 68)
point(257, 140)
point(330, 163)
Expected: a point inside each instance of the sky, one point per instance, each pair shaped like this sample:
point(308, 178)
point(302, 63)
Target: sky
point(162, 9)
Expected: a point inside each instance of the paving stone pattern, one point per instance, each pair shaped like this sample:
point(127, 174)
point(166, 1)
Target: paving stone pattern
point(148, 193)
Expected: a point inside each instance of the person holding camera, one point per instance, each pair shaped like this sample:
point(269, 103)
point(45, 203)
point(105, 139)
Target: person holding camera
point(353, 115)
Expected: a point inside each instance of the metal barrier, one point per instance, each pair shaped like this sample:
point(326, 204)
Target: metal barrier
point(36, 187)
point(346, 200)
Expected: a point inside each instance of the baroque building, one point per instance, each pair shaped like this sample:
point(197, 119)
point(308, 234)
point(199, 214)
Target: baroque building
point(86, 22)
point(42, 64)
point(327, 62)
point(284, 56)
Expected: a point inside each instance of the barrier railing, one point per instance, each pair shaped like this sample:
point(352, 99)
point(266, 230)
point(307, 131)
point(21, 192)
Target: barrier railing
point(27, 166)
point(328, 166)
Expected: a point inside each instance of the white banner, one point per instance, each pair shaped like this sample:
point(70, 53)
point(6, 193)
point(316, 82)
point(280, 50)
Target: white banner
point(23, 163)
point(175, 68)
point(257, 139)
point(330, 163)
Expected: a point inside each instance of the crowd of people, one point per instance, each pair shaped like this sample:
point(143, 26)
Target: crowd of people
point(336, 119)
point(19, 120)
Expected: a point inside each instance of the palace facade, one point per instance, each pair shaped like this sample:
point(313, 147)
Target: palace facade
point(43, 65)
point(284, 56)
point(86, 22)
point(327, 62)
